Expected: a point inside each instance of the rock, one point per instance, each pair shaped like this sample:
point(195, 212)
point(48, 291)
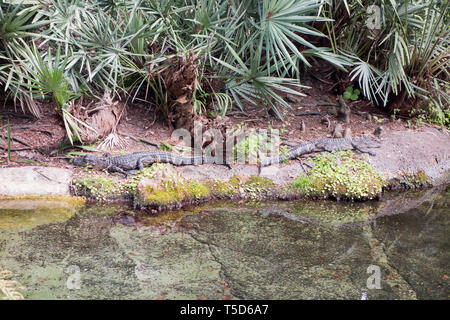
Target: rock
point(290, 98)
point(270, 172)
point(412, 152)
point(332, 111)
point(343, 111)
point(326, 121)
point(378, 131)
point(35, 181)
point(347, 133)
point(206, 172)
point(302, 127)
point(124, 218)
point(337, 132)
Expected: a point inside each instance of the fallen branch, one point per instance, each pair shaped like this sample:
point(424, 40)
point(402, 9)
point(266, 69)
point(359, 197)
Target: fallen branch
point(19, 149)
point(303, 167)
point(308, 113)
point(15, 139)
point(138, 139)
point(17, 115)
point(328, 104)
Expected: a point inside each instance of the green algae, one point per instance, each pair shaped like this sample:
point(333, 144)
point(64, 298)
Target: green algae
point(165, 218)
point(236, 249)
point(336, 213)
point(340, 175)
point(9, 288)
point(29, 212)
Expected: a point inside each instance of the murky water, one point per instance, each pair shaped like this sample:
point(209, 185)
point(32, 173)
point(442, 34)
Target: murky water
point(398, 248)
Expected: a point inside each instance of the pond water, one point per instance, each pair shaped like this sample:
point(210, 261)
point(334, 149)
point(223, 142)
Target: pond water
point(397, 248)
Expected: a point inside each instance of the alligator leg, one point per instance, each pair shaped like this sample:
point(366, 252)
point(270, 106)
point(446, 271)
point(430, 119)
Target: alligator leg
point(131, 172)
point(113, 168)
point(227, 165)
point(362, 150)
point(223, 164)
point(140, 164)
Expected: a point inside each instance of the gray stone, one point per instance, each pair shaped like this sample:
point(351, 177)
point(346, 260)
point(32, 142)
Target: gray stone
point(378, 131)
point(347, 133)
point(338, 131)
point(414, 151)
point(35, 181)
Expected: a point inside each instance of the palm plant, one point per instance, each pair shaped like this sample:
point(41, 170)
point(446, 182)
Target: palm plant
point(17, 23)
point(251, 46)
point(401, 57)
point(41, 78)
point(250, 50)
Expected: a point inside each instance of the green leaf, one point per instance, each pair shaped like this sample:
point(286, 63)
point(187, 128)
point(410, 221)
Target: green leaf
point(347, 95)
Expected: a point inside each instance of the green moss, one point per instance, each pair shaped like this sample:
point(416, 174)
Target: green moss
point(234, 181)
point(198, 190)
point(340, 174)
point(422, 178)
point(98, 186)
point(258, 182)
point(148, 172)
point(223, 189)
point(173, 191)
point(106, 186)
point(411, 181)
point(255, 187)
point(302, 182)
point(167, 195)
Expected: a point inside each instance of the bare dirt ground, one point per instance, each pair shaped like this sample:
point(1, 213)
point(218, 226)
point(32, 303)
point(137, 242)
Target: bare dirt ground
point(34, 139)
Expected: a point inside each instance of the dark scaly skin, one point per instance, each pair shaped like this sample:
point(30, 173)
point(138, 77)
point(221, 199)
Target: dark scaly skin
point(324, 145)
point(138, 160)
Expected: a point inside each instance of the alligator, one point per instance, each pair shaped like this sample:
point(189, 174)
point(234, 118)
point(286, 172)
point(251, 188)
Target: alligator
point(323, 145)
point(131, 163)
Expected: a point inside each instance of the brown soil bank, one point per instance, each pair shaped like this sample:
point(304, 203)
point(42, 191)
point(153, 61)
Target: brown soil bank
point(407, 159)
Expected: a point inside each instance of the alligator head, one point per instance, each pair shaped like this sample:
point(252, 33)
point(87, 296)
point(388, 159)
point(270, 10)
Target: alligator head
point(93, 161)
